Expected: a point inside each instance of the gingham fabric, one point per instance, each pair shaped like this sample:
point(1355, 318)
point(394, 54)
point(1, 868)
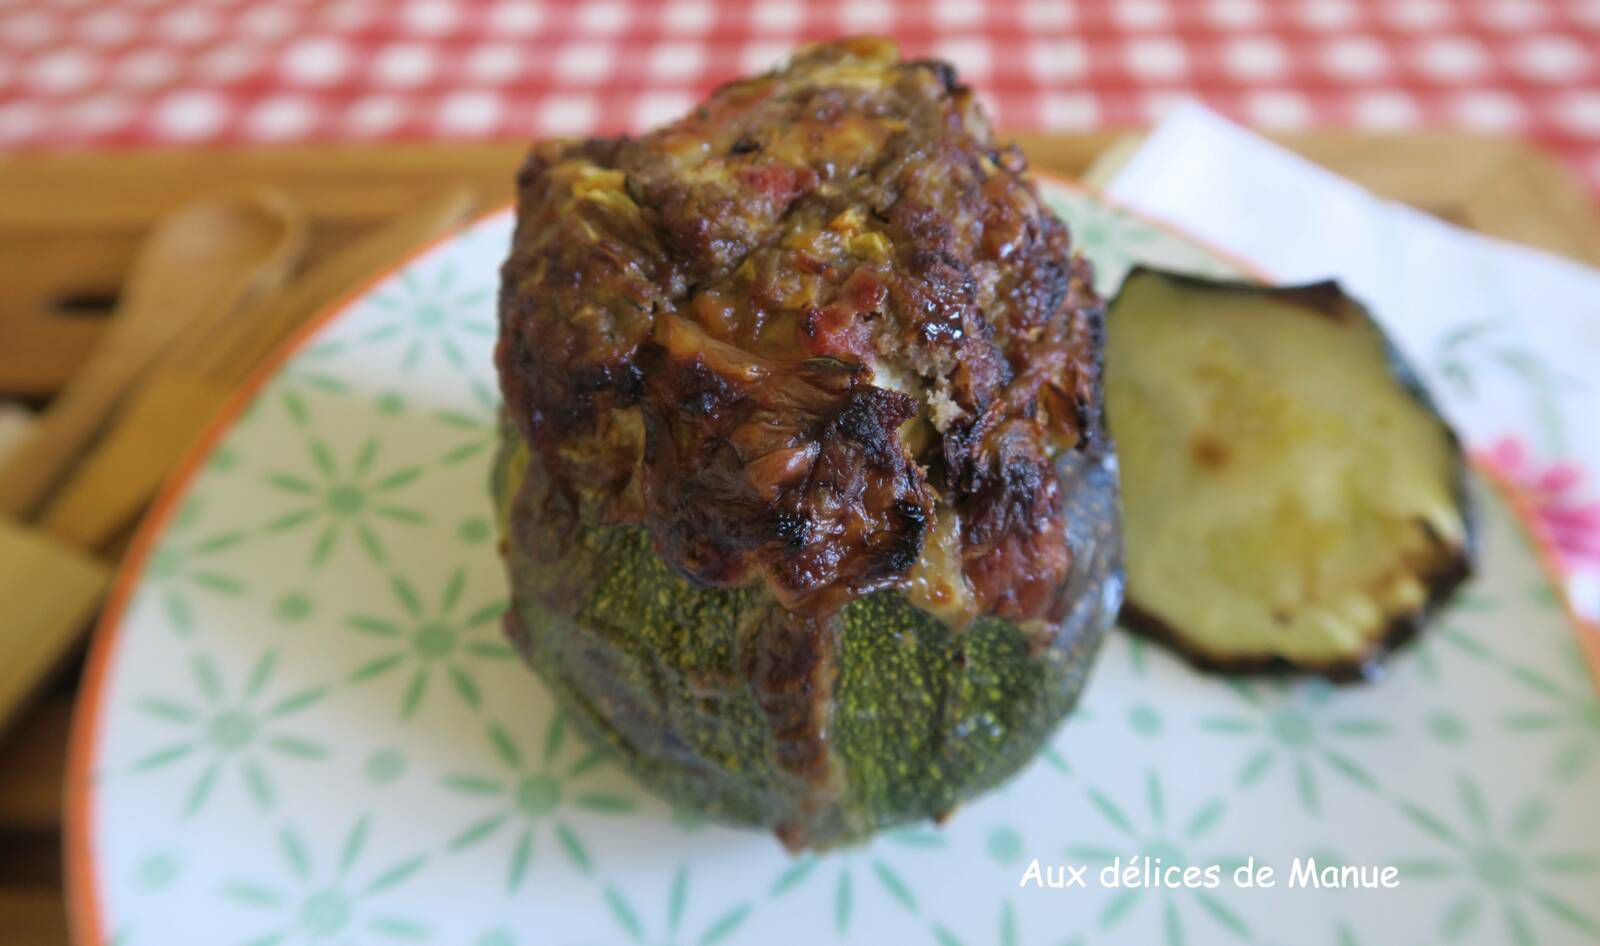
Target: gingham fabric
point(77, 73)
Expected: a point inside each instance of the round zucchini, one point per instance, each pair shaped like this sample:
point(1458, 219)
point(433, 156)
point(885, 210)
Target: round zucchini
point(919, 715)
point(808, 505)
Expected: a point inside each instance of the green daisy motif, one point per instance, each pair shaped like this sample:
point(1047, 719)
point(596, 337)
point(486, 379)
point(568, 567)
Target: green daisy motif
point(227, 730)
point(478, 430)
point(1467, 352)
point(185, 566)
point(157, 871)
point(1472, 616)
point(1426, 655)
point(152, 876)
point(449, 637)
point(390, 403)
point(1145, 720)
point(1447, 727)
point(319, 901)
point(848, 864)
point(1475, 601)
point(293, 607)
point(672, 932)
point(1107, 237)
point(1156, 838)
point(687, 820)
point(1344, 935)
point(499, 936)
point(384, 767)
point(1301, 731)
point(1570, 711)
point(224, 459)
point(335, 498)
point(423, 319)
point(301, 378)
point(1341, 933)
point(1053, 757)
point(1114, 240)
point(530, 795)
point(1544, 595)
point(311, 369)
point(1138, 654)
point(474, 530)
point(1494, 862)
point(1007, 932)
point(1004, 845)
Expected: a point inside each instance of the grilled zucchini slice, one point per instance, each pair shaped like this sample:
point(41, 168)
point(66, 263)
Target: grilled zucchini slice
point(1293, 499)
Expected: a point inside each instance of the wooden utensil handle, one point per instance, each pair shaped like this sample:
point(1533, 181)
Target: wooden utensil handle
point(123, 470)
point(39, 356)
point(74, 417)
point(44, 585)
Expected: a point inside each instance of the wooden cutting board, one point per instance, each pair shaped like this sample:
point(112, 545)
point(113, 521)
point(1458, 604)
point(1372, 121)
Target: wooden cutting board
point(69, 226)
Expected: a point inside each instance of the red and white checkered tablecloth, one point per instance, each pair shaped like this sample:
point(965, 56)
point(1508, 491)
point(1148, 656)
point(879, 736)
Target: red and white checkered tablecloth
point(97, 73)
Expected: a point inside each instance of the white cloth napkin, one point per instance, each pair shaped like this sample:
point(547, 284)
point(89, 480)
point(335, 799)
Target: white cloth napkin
point(1507, 338)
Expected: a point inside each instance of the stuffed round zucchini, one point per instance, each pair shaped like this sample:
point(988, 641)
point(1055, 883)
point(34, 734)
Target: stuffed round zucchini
point(805, 496)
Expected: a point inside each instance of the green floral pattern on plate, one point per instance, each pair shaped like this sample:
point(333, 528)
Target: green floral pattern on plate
point(314, 732)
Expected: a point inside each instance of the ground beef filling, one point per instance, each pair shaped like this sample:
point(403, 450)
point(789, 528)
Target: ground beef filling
point(820, 333)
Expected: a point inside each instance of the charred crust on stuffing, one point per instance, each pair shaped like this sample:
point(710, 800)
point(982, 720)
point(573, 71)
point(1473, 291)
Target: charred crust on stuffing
point(942, 70)
point(793, 236)
point(902, 553)
point(702, 391)
point(871, 419)
point(791, 528)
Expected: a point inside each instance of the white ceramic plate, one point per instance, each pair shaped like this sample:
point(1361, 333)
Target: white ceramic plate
point(301, 724)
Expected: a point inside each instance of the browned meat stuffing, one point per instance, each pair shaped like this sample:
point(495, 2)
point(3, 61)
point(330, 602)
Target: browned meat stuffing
point(820, 333)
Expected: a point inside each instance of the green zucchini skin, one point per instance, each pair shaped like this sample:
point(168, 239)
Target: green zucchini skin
point(918, 717)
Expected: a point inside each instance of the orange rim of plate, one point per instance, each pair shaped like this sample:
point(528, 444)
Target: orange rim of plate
point(85, 919)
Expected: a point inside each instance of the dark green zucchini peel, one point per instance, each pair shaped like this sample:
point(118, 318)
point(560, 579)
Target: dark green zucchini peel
point(1293, 499)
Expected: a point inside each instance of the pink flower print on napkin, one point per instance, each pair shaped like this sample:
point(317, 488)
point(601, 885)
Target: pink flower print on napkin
point(1557, 493)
